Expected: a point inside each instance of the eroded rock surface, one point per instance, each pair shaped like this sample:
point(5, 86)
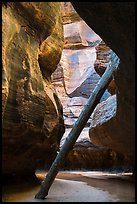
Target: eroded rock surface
point(74, 79)
point(32, 35)
point(101, 119)
point(86, 155)
point(103, 58)
point(115, 24)
point(32, 113)
point(103, 113)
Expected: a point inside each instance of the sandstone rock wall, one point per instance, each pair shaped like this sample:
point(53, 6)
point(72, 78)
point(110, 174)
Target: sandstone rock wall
point(115, 24)
point(103, 58)
point(75, 76)
point(101, 118)
point(74, 80)
point(32, 43)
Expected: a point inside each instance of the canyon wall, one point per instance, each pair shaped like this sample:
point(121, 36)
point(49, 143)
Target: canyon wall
point(84, 59)
point(50, 58)
point(32, 126)
point(75, 76)
point(114, 22)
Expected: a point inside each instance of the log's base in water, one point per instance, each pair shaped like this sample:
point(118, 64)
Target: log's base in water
point(76, 186)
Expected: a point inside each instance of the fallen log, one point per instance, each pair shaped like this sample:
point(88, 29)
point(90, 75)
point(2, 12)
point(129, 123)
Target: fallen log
point(78, 126)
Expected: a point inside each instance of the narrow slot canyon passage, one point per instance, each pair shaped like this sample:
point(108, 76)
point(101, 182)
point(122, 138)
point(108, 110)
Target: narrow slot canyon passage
point(52, 60)
point(75, 79)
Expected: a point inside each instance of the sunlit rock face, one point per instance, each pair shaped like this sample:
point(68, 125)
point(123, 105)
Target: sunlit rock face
point(78, 58)
point(32, 43)
point(115, 24)
point(69, 15)
point(75, 77)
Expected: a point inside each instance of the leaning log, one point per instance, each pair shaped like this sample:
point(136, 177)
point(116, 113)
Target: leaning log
point(78, 126)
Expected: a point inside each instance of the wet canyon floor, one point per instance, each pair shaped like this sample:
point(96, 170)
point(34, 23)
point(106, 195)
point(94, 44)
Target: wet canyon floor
point(75, 186)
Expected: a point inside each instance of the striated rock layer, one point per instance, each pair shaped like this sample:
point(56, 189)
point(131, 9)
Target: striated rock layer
point(115, 24)
point(32, 43)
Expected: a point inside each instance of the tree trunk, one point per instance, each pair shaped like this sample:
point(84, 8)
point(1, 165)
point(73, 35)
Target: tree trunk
point(78, 126)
